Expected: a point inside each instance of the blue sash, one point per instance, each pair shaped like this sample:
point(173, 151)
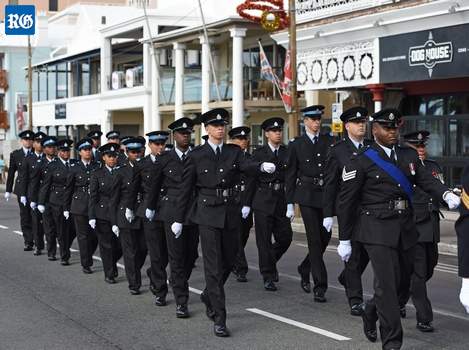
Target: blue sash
point(392, 171)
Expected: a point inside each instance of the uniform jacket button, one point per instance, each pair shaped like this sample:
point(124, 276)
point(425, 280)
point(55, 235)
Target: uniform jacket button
point(221, 170)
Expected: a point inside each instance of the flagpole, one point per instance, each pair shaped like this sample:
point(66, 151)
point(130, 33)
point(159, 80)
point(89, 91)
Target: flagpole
point(293, 118)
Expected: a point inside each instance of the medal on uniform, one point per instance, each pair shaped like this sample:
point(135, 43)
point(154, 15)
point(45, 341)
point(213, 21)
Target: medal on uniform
point(412, 168)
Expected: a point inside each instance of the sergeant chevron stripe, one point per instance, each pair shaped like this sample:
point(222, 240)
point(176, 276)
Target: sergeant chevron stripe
point(348, 175)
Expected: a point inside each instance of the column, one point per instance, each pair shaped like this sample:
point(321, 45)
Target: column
point(155, 93)
point(106, 125)
point(179, 80)
point(106, 64)
point(206, 74)
point(147, 102)
point(378, 95)
point(237, 76)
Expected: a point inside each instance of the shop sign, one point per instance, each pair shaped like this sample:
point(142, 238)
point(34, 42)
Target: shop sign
point(432, 54)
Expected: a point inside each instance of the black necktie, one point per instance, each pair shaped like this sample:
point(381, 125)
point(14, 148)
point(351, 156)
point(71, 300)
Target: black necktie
point(67, 165)
point(360, 146)
point(218, 153)
point(393, 157)
point(315, 139)
point(183, 158)
point(276, 154)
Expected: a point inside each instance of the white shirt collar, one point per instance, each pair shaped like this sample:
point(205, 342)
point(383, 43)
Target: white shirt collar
point(312, 135)
point(356, 143)
point(64, 161)
point(152, 157)
point(388, 150)
point(272, 148)
point(214, 146)
point(110, 169)
point(25, 151)
point(85, 163)
point(180, 153)
point(38, 154)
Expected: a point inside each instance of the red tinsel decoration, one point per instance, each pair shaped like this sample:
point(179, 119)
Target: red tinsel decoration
point(274, 7)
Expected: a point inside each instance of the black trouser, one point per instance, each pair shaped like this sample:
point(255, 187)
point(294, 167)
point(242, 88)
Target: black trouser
point(87, 239)
point(38, 229)
point(279, 226)
point(385, 304)
point(241, 264)
point(156, 244)
point(318, 240)
point(219, 250)
point(462, 228)
point(109, 247)
point(65, 231)
point(426, 258)
point(181, 259)
point(134, 250)
point(26, 223)
point(353, 271)
point(50, 231)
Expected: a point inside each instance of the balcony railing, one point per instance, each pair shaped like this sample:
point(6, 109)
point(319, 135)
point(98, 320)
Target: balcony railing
point(3, 79)
point(310, 10)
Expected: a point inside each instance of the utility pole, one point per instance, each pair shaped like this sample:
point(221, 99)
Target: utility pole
point(293, 120)
point(30, 85)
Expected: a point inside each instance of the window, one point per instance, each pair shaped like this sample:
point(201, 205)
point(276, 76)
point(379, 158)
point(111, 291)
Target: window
point(12, 2)
point(53, 5)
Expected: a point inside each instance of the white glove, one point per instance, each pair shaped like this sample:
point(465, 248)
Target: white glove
point(290, 212)
point(464, 294)
point(345, 250)
point(33, 205)
point(452, 200)
point(116, 230)
point(92, 223)
point(149, 214)
point(66, 214)
point(245, 212)
point(176, 227)
point(327, 223)
point(129, 215)
point(23, 200)
point(268, 168)
point(7, 195)
point(41, 208)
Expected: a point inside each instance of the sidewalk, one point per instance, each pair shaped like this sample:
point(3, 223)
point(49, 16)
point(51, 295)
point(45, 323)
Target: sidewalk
point(447, 245)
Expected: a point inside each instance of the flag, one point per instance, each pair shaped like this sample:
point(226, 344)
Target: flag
point(286, 84)
point(266, 69)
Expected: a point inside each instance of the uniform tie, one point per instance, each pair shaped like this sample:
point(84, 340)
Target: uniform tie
point(276, 153)
point(393, 157)
point(315, 139)
point(67, 165)
point(360, 146)
point(218, 153)
point(183, 158)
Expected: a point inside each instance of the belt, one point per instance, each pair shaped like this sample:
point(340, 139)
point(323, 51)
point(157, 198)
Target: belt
point(218, 192)
point(429, 206)
point(312, 180)
point(276, 186)
point(398, 204)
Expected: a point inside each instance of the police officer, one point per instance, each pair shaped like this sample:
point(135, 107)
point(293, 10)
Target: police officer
point(240, 136)
point(164, 197)
point(52, 192)
point(462, 227)
point(381, 181)
point(31, 162)
point(122, 155)
point(37, 176)
point(77, 199)
point(153, 229)
point(102, 216)
point(354, 120)
point(96, 137)
point(427, 220)
point(214, 170)
point(129, 227)
point(17, 165)
point(267, 197)
point(304, 181)
point(113, 136)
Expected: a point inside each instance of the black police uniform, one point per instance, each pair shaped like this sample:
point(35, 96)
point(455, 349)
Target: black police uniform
point(304, 180)
point(77, 200)
point(427, 220)
point(384, 204)
point(338, 157)
point(95, 135)
point(37, 176)
point(102, 186)
point(216, 209)
point(131, 233)
point(462, 227)
point(267, 198)
point(53, 191)
point(18, 165)
point(240, 268)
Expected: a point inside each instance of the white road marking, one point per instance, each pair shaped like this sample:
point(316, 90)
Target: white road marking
point(299, 325)
point(4, 227)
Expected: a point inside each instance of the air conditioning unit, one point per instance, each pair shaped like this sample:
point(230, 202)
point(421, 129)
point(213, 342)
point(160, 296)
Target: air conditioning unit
point(193, 58)
point(117, 80)
point(134, 77)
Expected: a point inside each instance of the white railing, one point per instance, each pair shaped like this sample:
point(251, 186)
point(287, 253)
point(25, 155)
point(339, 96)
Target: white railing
point(310, 10)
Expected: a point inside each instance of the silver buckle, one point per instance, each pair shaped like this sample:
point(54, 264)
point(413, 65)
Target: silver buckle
point(400, 204)
point(226, 193)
